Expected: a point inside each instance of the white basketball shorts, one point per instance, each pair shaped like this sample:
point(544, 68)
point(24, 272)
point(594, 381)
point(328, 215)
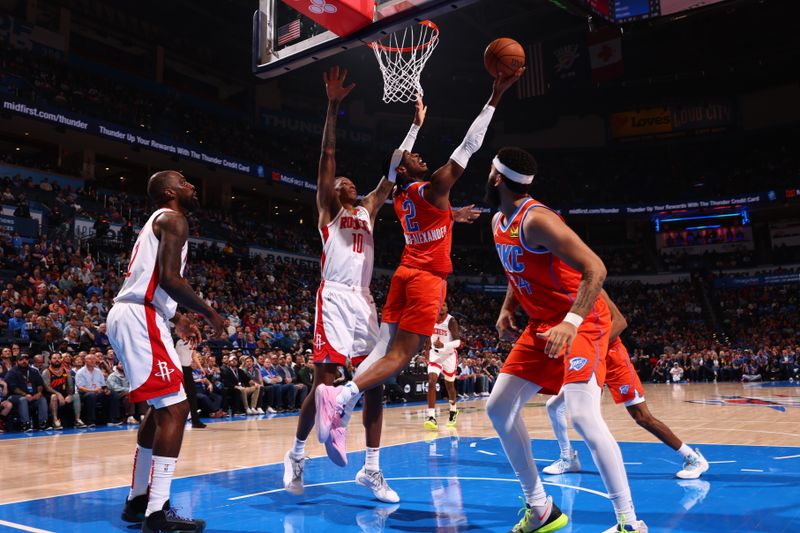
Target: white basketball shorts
point(346, 324)
point(443, 363)
point(143, 343)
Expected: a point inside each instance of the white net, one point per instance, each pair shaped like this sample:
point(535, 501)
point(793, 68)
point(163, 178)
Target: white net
point(402, 56)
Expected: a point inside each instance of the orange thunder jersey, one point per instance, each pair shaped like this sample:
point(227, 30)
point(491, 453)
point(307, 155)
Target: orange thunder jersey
point(428, 230)
point(544, 285)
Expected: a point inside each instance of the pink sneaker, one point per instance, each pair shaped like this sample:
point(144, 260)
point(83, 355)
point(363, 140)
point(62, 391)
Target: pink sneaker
point(325, 399)
point(336, 445)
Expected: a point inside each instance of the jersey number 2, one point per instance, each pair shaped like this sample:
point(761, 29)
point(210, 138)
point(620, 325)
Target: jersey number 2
point(410, 211)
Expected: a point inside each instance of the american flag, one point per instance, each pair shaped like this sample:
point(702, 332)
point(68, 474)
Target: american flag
point(533, 82)
point(289, 32)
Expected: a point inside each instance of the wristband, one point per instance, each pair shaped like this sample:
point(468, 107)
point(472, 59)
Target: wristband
point(574, 319)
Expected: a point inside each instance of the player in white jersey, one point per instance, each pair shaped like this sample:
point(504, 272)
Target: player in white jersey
point(137, 328)
point(443, 359)
point(346, 324)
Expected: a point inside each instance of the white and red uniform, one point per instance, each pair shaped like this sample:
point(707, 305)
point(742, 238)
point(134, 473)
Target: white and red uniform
point(443, 360)
point(346, 324)
point(138, 329)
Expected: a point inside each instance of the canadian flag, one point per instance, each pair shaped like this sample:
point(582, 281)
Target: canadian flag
point(605, 53)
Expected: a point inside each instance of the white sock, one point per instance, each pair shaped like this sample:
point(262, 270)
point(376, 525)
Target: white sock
point(160, 482)
point(557, 411)
point(686, 451)
point(299, 448)
point(509, 395)
point(431, 412)
point(453, 407)
point(372, 462)
point(583, 404)
point(142, 461)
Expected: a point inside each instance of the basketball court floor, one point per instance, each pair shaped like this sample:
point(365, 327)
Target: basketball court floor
point(450, 481)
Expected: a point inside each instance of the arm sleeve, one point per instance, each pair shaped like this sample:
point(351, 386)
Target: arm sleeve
point(474, 138)
point(411, 138)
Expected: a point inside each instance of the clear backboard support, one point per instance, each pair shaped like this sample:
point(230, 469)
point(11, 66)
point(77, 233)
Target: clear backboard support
point(284, 40)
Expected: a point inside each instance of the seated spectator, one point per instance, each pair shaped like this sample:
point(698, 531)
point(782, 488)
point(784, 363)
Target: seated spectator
point(120, 394)
point(290, 378)
point(101, 338)
point(59, 386)
point(277, 390)
point(93, 390)
point(209, 402)
point(5, 405)
point(17, 325)
point(27, 390)
point(253, 407)
point(234, 381)
point(465, 383)
point(304, 371)
point(750, 373)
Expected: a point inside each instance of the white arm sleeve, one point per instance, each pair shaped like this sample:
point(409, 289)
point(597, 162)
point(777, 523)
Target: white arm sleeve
point(411, 138)
point(474, 138)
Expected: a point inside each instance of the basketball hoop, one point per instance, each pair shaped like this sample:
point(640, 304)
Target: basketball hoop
point(402, 56)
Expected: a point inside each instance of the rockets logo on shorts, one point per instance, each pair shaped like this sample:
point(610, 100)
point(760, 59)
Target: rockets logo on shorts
point(576, 363)
point(164, 371)
point(624, 389)
point(318, 342)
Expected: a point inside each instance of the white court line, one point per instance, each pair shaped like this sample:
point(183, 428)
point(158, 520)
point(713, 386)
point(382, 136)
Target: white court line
point(13, 525)
point(544, 460)
point(631, 463)
point(786, 457)
point(484, 452)
point(751, 470)
point(723, 462)
point(473, 444)
point(423, 478)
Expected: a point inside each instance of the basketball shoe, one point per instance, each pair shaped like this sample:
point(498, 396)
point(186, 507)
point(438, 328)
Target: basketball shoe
point(693, 466)
point(293, 469)
point(640, 527)
point(551, 520)
point(451, 422)
point(374, 480)
point(431, 424)
point(135, 508)
point(169, 520)
point(564, 465)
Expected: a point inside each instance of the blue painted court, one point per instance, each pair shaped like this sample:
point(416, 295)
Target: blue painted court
point(453, 484)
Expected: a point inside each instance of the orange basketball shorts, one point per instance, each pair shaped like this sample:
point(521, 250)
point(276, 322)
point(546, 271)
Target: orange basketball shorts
point(621, 378)
point(528, 361)
point(414, 299)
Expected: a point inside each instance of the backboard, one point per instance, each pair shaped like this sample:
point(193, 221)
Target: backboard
point(284, 39)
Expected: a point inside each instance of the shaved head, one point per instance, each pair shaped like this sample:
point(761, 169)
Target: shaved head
point(170, 188)
point(158, 184)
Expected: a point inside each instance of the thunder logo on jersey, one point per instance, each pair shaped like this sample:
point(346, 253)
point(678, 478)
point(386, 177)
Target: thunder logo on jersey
point(510, 255)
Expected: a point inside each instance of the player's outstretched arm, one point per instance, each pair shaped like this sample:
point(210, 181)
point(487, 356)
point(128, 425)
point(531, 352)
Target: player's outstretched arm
point(446, 176)
point(467, 214)
point(327, 200)
point(548, 230)
point(618, 322)
point(172, 231)
point(375, 200)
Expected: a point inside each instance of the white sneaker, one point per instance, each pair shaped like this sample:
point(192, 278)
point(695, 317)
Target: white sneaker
point(693, 466)
point(251, 411)
point(293, 474)
point(377, 484)
point(80, 424)
point(564, 465)
point(640, 527)
point(271, 411)
point(131, 420)
point(259, 411)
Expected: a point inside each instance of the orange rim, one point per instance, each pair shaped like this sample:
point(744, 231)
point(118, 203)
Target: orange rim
point(408, 49)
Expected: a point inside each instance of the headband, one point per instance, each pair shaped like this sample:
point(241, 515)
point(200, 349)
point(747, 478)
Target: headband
point(513, 175)
point(397, 158)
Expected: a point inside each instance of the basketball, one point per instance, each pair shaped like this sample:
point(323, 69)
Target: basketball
point(503, 56)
